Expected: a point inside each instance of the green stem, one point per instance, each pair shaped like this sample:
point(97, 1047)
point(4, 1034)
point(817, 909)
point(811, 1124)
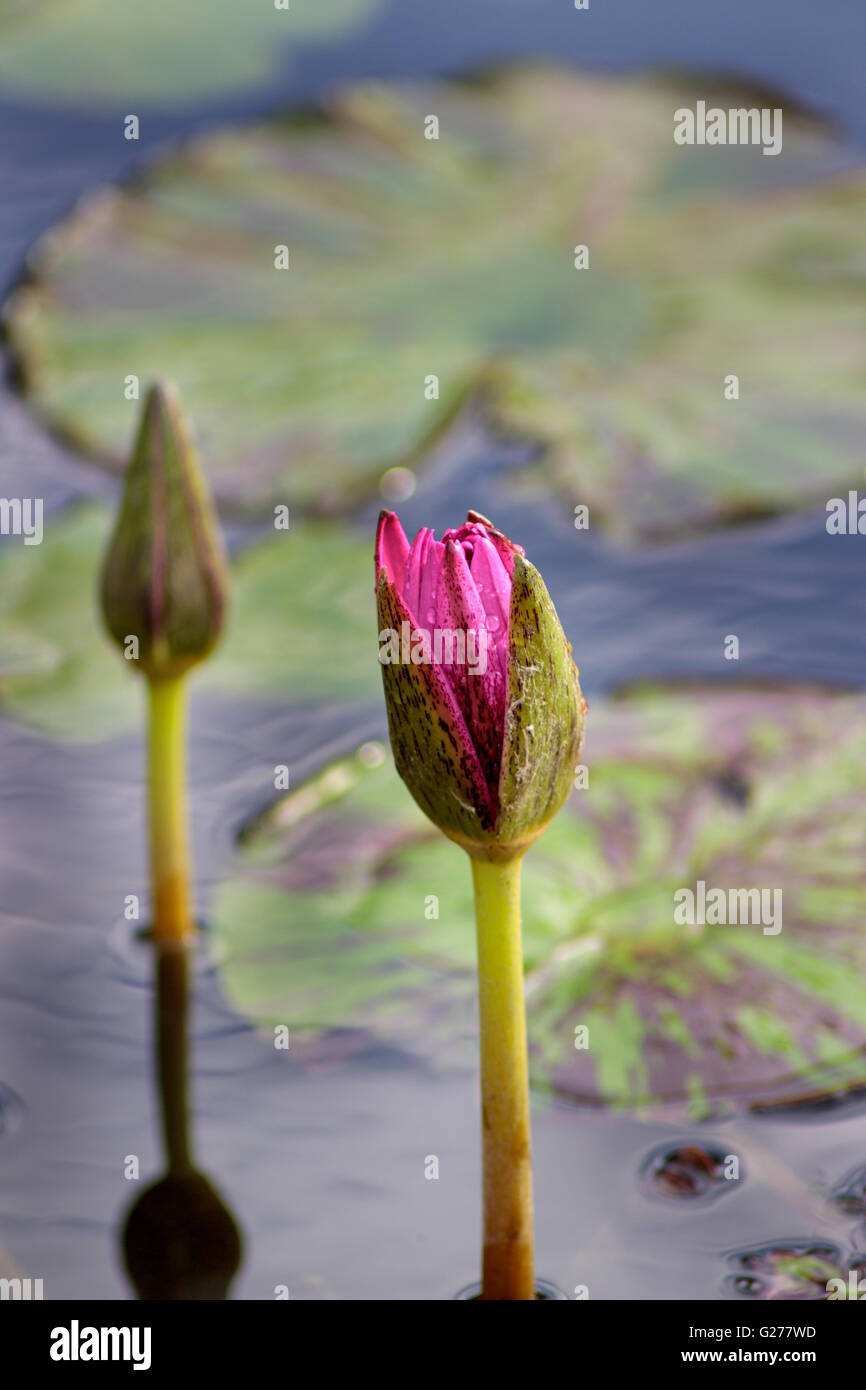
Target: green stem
point(172, 910)
point(505, 1136)
point(169, 851)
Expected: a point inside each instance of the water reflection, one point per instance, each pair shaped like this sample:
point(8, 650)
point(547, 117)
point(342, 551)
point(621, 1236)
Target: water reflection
point(180, 1241)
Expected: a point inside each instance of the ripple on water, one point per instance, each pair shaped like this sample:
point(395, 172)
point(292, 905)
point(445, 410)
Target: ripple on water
point(12, 1111)
point(130, 947)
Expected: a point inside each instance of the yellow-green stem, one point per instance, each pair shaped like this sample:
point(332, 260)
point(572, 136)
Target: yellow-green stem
point(169, 851)
point(507, 1271)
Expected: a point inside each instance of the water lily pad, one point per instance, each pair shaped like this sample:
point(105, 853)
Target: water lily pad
point(90, 51)
point(411, 258)
point(332, 921)
point(297, 600)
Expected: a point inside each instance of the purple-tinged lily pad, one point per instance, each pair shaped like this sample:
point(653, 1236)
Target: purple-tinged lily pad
point(454, 258)
point(349, 910)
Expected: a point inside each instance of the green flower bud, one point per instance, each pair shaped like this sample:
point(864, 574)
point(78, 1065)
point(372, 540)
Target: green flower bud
point(164, 579)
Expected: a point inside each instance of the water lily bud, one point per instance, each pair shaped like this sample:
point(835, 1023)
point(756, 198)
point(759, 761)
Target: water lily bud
point(484, 705)
point(164, 580)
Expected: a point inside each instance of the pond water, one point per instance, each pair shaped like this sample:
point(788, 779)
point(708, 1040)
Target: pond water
point(322, 1160)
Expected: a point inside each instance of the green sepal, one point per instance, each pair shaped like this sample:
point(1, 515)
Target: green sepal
point(544, 721)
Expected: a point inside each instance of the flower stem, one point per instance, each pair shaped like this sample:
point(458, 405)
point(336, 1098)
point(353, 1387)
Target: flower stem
point(507, 1271)
point(169, 852)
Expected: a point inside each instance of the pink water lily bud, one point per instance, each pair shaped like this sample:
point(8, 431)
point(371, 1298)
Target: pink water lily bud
point(485, 710)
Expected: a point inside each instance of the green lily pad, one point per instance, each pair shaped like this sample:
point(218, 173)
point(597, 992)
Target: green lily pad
point(98, 51)
point(330, 922)
point(454, 258)
point(296, 599)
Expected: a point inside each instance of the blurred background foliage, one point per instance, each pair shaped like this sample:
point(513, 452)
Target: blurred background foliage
point(454, 258)
point(165, 53)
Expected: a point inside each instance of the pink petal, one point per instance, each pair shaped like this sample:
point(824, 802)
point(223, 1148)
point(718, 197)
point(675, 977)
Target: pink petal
point(430, 580)
point(415, 562)
point(458, 601)
point(505, 548)
point(494, 587)
point(441, 697)
point(392, 549)
point(461, 584)
point(481, 696)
